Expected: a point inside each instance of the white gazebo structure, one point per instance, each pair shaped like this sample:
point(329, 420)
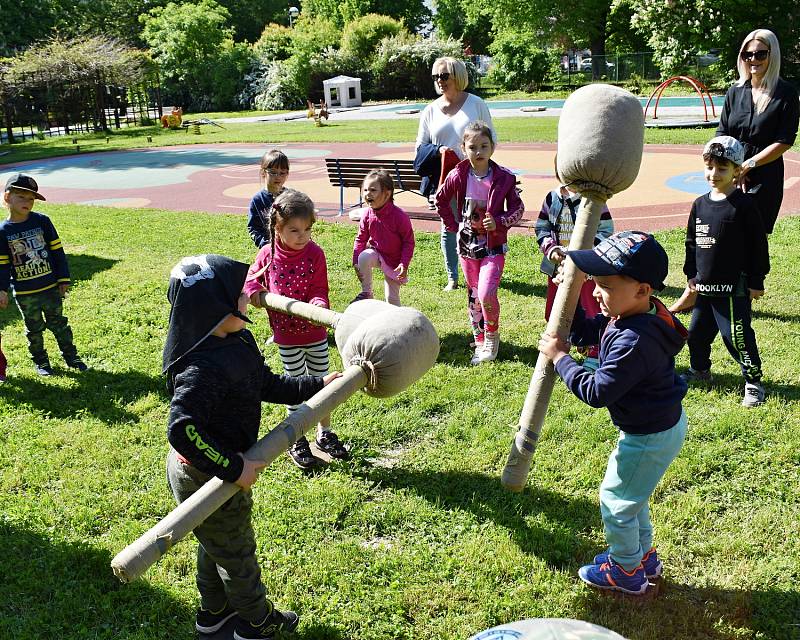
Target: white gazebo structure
point(342, 91)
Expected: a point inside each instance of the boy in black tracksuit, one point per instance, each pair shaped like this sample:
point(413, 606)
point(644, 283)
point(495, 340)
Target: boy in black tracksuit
point(727, 260)
point(217, 379)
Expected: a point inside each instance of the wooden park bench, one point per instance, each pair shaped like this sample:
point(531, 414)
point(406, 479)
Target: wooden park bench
point(350, 172)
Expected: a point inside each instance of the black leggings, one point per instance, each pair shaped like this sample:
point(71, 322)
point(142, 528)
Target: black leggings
point(731, 318)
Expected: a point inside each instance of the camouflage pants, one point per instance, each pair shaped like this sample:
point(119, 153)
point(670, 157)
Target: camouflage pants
point(42, 311)
point(227, 567)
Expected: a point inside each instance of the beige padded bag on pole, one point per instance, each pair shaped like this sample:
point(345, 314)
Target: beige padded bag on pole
point(384, 349)
point(600, 138)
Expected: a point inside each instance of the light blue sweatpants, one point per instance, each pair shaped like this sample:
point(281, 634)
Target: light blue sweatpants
point(634, 469)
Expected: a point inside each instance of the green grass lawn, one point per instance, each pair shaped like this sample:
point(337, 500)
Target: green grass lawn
point(515, 129)
point(414, 538)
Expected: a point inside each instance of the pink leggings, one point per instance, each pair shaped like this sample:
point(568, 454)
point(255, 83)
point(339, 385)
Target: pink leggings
point(483, 280)
point(370, 259)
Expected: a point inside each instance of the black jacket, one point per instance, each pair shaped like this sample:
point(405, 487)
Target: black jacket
point(726, 243)
point(217, 391)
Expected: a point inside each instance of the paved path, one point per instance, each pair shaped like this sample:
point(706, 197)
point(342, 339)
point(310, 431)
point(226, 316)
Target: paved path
point(222, 178)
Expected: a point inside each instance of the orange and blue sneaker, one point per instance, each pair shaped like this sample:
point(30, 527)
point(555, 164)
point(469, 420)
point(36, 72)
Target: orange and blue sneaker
point(653, 568)
point(612, 576)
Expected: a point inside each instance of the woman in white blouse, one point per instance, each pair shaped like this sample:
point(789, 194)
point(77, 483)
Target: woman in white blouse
point(441, 126)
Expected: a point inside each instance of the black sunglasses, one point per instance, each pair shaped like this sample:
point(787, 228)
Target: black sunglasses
point(761, 54)
point(444, 77)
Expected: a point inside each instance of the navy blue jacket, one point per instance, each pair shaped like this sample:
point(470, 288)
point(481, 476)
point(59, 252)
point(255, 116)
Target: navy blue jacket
point(636, 379)
point(258, 217)
point(31, 256)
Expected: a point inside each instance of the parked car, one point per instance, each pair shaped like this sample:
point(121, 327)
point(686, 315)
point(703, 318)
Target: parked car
point(708, 58)
point(586, 65)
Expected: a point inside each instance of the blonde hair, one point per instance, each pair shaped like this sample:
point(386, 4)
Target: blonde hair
point(773, 72)
point(455, 68)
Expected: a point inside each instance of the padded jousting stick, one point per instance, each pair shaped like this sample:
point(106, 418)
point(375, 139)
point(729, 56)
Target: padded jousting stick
point(600, 138)
point(384, 349)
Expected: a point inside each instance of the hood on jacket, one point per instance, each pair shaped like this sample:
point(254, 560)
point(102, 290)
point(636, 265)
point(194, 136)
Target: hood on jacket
point(203, 291)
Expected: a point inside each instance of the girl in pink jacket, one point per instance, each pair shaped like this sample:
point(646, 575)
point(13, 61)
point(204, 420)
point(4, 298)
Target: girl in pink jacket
point(293, 265)
point(385, 239)
point(487, 204)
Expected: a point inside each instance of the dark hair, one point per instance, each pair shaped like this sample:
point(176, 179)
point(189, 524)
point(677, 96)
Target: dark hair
point(384, 179)
point(289, 204)
point(715, 154)
point(274, 159)
point(477, 128)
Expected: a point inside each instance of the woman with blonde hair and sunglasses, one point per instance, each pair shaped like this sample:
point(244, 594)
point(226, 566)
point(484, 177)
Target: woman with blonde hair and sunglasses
point(438, 146)
point(761, 111)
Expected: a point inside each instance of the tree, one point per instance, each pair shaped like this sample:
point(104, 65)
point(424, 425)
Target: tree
point(413, 13)
point(581, 23)
point(458, 19)
point(200, 64)
point(677, 31)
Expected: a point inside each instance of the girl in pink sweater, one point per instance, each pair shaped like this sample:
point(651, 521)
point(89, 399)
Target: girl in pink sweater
point(385, 239)
point(293, 265)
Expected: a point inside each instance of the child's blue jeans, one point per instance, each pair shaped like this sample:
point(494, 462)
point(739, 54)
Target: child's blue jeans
point(634, 469)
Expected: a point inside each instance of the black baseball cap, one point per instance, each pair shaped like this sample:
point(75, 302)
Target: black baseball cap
point(635, 254)
point(24, 183)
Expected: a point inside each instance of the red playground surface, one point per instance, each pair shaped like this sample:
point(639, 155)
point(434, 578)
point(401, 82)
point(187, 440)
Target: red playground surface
point(222, 178)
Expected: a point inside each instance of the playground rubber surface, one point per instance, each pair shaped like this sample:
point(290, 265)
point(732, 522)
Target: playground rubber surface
point(221, 178)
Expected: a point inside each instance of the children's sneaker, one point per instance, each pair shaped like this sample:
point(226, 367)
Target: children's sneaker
point(491, 347)
point(300, 453)
point(364, 295)
point(43, 369)
point(653, 567)
point(78, 364)
point(609, 575)
point(266, 630)
point(451, 285)
point(329, 442)
point(693, 375)
point(754, 394)
point(210, 621)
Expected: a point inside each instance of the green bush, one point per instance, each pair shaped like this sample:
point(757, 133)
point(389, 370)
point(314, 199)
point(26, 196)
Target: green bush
point(314, 35)
point(362, 36)
point(517, 62)
point(402, 65)
point(275, 43)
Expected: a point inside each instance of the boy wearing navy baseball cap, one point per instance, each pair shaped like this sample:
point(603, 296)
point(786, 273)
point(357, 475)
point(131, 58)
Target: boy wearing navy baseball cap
point(639, 339)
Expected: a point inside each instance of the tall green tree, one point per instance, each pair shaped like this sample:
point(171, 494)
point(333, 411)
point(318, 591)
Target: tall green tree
point(413, 13)
point(677, 30)
point(200, 64)
point(466, 21)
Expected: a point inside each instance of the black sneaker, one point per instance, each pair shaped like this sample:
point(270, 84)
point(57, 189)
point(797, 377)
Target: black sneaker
point(78, 364)
point(329, 443)
point(210, 621)
point(266, 630)
point(44, 369)
point(300, 453)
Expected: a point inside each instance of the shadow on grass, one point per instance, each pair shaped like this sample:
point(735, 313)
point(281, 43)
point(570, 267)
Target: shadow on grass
point(522, 288)
point(82, 267)
point(541, 522)
point(51, 584)
point(100, 394)
point(685, 611)
point(730, 383)
point(773, 315)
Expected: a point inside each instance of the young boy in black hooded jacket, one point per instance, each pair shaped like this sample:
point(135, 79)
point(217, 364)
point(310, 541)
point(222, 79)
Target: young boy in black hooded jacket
point(218, 378)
